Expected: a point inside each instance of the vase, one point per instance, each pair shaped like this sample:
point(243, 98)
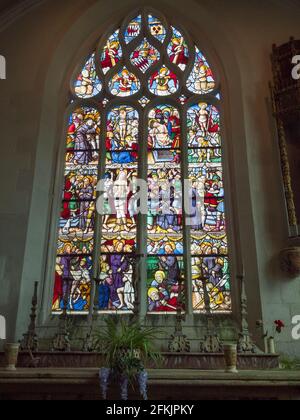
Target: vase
point(290, 261)
point(266, 344)
point(271, 346)
point(230, 354)
point(11, 352)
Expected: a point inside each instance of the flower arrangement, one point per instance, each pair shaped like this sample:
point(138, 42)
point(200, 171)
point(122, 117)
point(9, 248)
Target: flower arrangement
point(128, 347)
point(279, 326)
point(269, 339)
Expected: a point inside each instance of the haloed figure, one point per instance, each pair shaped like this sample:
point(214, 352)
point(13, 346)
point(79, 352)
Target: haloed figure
point(120, 197)
point(119, 265)
point(86, 209)
point(83, 146)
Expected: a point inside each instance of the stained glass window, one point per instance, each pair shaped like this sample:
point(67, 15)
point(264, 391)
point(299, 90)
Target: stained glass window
point(164, 224)
point(210, 268)
point(146, 129)
point(178, 50)
point(88, 83)
point(77, 216)
point(157, 28)
point(111, 53)
point(133, 29)
point(201, 80)
point(124, 84)
point(144, 56)
point(163, 82)
point(162, 283)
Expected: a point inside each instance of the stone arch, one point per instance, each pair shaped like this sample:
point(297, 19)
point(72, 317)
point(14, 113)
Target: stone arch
point(75, 44)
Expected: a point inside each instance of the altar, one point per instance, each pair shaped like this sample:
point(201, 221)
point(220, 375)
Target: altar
point(164, 384)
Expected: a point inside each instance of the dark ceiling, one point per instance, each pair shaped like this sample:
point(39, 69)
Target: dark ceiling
point(5, 4)
point(8, 4)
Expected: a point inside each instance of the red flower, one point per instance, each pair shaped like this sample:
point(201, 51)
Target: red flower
point(279, 326)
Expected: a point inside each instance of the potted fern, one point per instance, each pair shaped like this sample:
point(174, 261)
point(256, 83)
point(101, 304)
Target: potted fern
point(127, 348)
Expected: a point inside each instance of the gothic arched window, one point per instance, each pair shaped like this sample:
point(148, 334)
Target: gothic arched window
point(145, 122)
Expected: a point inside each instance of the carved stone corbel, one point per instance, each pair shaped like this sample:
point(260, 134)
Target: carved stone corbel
point(290, 261)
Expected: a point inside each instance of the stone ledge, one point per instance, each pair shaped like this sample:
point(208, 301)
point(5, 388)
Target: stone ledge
point(171, 361)
point(164, 384)
point(282, 377)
